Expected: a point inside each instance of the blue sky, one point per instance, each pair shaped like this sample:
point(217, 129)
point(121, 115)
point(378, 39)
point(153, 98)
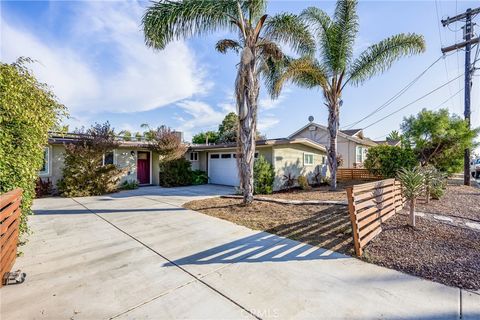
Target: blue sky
point(92, 55)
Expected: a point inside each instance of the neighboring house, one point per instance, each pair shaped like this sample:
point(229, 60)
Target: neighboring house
point(351, 144)
point(294, 156)
point(288, 156)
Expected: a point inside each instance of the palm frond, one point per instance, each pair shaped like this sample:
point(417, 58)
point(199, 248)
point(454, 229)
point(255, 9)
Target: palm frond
point(224, 45)
point(305, 72)
point(166, 21)
point(290, 30)
point(345, 31)
point(254, 8)
point(269, 50)
point(379, 57)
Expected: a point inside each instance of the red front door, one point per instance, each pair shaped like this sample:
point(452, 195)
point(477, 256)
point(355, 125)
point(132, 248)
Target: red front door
point(143, 167)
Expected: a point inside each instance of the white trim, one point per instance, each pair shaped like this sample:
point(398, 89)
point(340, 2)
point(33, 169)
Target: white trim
point(136, 165)
point(49, 163)
point(339, 133)
point(308, 154)
point(191, 153)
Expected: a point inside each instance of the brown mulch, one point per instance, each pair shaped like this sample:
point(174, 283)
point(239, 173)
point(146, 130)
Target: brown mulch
point(324, 226)
point(459, 200)
point(435, 251)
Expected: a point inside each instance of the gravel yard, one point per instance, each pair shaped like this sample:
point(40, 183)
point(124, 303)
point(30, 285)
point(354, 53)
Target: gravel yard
point(435, 251)
point(459, 200)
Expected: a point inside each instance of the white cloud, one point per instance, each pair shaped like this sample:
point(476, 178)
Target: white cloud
point(203, 117)
point(105, 65)
point(266, 103)
point(266, 123)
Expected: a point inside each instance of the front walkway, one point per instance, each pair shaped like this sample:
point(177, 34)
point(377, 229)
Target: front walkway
point(139, 255)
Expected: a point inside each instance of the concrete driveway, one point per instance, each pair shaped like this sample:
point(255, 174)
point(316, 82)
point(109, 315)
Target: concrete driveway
point(140, 255)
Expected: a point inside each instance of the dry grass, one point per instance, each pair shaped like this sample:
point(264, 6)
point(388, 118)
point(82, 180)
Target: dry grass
point(324, 226)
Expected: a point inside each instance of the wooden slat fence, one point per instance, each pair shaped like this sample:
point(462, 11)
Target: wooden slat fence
point(346, 174)
point(371, 204)
point(9, 223)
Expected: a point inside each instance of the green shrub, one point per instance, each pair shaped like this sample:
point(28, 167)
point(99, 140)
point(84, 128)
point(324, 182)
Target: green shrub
point(387, 160)
point(28, 109)
point(129, 185)
point(199, 177)
point(437, 192)
point(83, 172)
point(176, 173)
point(263, 176)
point(303, 182)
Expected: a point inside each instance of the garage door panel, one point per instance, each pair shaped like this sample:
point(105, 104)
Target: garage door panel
point(222, 169)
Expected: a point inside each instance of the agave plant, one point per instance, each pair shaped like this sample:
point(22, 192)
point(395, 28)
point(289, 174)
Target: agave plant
point(412, 181)
point(258, 34)
point(336, 67)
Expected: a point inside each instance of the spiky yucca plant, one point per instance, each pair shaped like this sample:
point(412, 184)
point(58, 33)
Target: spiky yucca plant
point(258, 34)
point(412, 181)
point(336, 67)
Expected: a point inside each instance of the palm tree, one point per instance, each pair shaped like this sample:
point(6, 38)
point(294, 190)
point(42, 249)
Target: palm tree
point(165, 21)
point(335, 66)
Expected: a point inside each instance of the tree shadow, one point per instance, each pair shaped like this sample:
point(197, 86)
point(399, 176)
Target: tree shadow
point(321, 237)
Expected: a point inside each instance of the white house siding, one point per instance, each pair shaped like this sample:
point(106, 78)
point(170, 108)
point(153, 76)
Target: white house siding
point(290, 159)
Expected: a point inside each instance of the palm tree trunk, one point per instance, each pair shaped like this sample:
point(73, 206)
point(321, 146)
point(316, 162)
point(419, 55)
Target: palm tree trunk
point(411, 218)
point(333, 124)
point(247, 90)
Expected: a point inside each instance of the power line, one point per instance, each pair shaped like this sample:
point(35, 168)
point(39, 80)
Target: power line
point(397, 95)
point(416, 100)
point(437, 107)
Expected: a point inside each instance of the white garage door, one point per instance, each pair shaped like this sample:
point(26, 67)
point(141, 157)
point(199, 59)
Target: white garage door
point(222, 169)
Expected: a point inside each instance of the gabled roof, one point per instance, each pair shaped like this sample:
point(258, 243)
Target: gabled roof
point(259, 143)
point(342, 134)
point(352, 132)
point(389, 142)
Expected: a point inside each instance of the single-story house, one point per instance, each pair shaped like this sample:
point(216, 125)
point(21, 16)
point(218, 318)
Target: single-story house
point(294, 156)
point(139, 162)
point(352, 145)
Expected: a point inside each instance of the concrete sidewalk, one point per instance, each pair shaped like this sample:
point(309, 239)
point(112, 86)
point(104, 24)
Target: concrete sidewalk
point(139, 255)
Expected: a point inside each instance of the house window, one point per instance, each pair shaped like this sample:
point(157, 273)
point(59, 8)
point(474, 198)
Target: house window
point(44, 170)
point(308, 158)
point(256, 155)
point(361, 154)
point(226, 156)
point(108, 158)
point(215, 156)
point(324, 159)
point(194, 156)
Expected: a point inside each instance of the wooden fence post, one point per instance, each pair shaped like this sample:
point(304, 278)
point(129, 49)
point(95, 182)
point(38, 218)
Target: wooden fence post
point(354, 222)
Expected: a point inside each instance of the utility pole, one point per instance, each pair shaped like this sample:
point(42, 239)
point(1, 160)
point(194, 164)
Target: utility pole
point(467, 44)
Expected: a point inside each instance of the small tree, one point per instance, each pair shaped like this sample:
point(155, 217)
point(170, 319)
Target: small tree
point(386, 160)
point(412, 181)
point(263, 176)
point(439, 138)
point(84, 171)
point(227, 130)
point(167, 143)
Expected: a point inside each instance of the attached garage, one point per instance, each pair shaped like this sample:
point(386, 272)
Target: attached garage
point(288, 156)
point(222, 169)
